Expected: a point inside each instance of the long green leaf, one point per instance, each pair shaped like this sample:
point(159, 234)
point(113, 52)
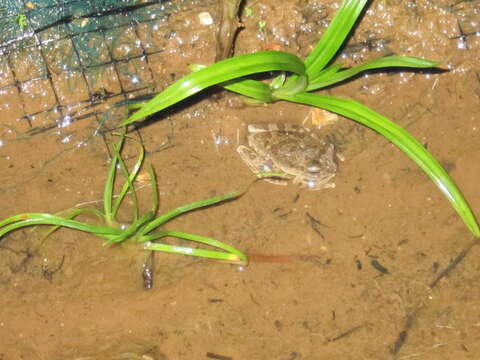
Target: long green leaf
point(246, 87)
point(110, 182)
point(132, 229)
point(184, 250)
point(30, 219)
point(128, 186)
point(401, 138)
point(334, 36)
point(328, 78)
point(73, 215)
point(251, 88)
point(326, 73)
point(186, 208)
point(219, 72)
point(154, 186)
point(231, 254)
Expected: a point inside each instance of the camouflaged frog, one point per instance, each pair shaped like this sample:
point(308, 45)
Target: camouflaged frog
point(304, 157)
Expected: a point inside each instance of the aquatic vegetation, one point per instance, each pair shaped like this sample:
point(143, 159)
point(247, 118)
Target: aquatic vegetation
point(315, 73)
point(143, 228)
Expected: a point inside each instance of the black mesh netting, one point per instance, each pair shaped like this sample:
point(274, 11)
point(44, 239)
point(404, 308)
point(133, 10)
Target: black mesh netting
point(57, 56)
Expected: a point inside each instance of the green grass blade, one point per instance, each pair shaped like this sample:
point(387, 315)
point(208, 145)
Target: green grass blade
point(18, 217)
point(73, 215)
point(30, 219)
point(251, 88)
point(326, 73)
point(128, 186)
point(278, 81)
point(334, 36)
point(328, 78)
point(186, 208)
point(231, 254)
point(247, 87)
point(154, 186)
point(222, 71)
point(110, 182)
point(182, 250)
point(131, 230)
point(296, 85)
point(401, 138)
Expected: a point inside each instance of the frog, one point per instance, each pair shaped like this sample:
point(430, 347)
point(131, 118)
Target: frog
point(305, 158)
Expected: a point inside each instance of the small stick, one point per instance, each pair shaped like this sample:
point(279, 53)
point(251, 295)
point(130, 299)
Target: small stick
point(228, 28)
point(346, 333)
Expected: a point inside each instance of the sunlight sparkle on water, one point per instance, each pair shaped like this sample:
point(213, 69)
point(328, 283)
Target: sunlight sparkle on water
point(311, 184)
point(266, 168)
point(135, 79)
point(461, 45)
point(66, 139)
point(65, 121)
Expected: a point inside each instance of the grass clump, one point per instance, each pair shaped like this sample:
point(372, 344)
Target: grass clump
point(145, 229)
point(299, 78)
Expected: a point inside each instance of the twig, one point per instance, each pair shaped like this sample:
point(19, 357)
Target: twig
point(346, 333)
point(228, 28)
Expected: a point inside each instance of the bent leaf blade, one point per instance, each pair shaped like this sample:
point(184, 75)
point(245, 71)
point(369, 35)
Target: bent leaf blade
point(329, 78)
point(403, 140)
point(334, 36)
point(222, 71)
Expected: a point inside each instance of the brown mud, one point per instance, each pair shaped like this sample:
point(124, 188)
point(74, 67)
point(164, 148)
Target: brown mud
point(355, 263)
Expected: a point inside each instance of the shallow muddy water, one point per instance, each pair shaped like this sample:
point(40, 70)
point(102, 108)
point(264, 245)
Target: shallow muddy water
point(355, 266)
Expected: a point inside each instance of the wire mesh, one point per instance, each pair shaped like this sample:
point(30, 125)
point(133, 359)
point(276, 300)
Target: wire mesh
point(60, 59)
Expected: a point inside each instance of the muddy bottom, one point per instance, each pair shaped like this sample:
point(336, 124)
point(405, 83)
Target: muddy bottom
point(351, 272)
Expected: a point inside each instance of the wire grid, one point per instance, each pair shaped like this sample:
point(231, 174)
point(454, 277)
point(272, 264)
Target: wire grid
point(55, 56)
